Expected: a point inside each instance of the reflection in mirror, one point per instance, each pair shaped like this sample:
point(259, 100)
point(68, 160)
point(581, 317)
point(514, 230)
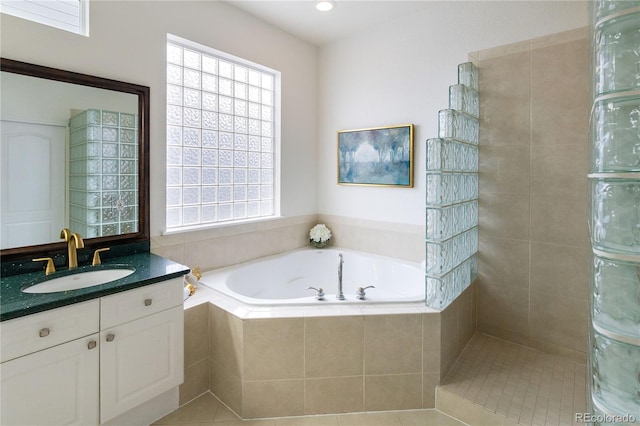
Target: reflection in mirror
point(74, 154)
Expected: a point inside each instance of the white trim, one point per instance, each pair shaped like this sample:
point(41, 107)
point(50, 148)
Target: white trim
point(226, 223)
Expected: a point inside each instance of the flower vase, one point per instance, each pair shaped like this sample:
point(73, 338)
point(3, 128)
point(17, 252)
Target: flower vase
point(319, 244)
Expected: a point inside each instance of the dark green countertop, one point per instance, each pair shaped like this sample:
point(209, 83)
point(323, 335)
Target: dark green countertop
point(149, 269)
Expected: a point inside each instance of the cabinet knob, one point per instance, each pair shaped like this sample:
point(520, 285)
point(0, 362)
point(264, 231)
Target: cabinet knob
point(44, 332)
point(92, 344)
point(110, 337)
point(148, 302)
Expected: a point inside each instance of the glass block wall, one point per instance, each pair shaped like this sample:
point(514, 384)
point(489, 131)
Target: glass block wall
point(103, 173)
point(614, 355)
point(452, 194)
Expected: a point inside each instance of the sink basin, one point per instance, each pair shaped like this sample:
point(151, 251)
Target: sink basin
point(79, 280)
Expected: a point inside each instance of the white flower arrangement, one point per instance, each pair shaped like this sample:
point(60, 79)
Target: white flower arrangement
point(319, 235)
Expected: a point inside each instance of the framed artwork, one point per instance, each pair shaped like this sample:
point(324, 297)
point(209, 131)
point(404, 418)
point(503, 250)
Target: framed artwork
point(379, 156)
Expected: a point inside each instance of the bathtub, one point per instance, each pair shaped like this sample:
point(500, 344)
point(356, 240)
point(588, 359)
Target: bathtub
point(283, 279)
point(261, 313)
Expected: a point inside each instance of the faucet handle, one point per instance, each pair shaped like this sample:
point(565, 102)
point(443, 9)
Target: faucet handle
point(96, 256)
point(319, 292)
point(196, 272)
point(50, 268)
point(360, 294)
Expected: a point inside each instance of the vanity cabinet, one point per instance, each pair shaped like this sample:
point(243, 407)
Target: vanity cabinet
point(90, 362)
point(49, 373)
point(141, 346)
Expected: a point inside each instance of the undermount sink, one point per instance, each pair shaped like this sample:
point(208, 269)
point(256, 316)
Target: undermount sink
point(79, 280)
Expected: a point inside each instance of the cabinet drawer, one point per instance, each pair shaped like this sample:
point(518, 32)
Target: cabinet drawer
point(39, 331)
point(133, 304)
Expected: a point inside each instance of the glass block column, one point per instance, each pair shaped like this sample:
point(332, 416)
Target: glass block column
point(103, 173)
point(614, 353)
point(452, 194)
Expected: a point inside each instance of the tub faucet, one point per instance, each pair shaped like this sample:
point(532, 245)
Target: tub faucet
point(340, 295)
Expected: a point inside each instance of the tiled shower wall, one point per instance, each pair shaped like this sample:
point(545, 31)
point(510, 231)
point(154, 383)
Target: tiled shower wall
point(533, 278)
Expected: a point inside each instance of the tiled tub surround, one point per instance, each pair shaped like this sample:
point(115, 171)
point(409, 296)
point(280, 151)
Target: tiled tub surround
point(308, 360)
point(226, 245)
point(229, 245)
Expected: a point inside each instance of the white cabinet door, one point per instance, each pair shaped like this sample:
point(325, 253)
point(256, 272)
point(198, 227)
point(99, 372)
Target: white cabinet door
point(140, 360)
point(56, 386)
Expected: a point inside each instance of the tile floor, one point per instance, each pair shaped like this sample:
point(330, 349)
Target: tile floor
point(523, 385)
point(207, 410)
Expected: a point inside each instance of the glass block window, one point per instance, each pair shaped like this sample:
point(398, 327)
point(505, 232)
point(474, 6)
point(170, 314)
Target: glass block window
point(222, 138)
point(68, 15)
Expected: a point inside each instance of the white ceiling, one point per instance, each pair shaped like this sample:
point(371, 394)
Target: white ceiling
point(300, 18)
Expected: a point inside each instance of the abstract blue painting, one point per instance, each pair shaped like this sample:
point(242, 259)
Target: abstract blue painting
point(380, 156)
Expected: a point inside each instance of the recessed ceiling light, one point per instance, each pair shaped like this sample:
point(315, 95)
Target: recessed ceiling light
point(325, 5)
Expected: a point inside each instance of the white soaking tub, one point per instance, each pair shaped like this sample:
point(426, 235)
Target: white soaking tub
point(284, 279)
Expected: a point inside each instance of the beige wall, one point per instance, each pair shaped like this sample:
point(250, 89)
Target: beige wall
point(534, 247)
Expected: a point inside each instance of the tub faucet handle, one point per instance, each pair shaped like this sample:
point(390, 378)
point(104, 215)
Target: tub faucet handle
point(360, 294)
point(319, 292)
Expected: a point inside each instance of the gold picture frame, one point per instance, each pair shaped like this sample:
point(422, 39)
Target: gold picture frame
point(376, 156)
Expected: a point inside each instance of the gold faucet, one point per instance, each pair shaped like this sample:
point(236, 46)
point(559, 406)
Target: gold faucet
point(74, 242)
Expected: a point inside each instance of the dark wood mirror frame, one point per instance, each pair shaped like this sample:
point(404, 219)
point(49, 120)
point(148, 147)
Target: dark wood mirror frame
point(142, 92)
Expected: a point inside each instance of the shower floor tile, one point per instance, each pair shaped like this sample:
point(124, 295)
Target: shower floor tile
point(514, 384)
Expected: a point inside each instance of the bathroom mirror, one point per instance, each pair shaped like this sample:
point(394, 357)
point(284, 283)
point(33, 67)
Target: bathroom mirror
point(74, 154)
